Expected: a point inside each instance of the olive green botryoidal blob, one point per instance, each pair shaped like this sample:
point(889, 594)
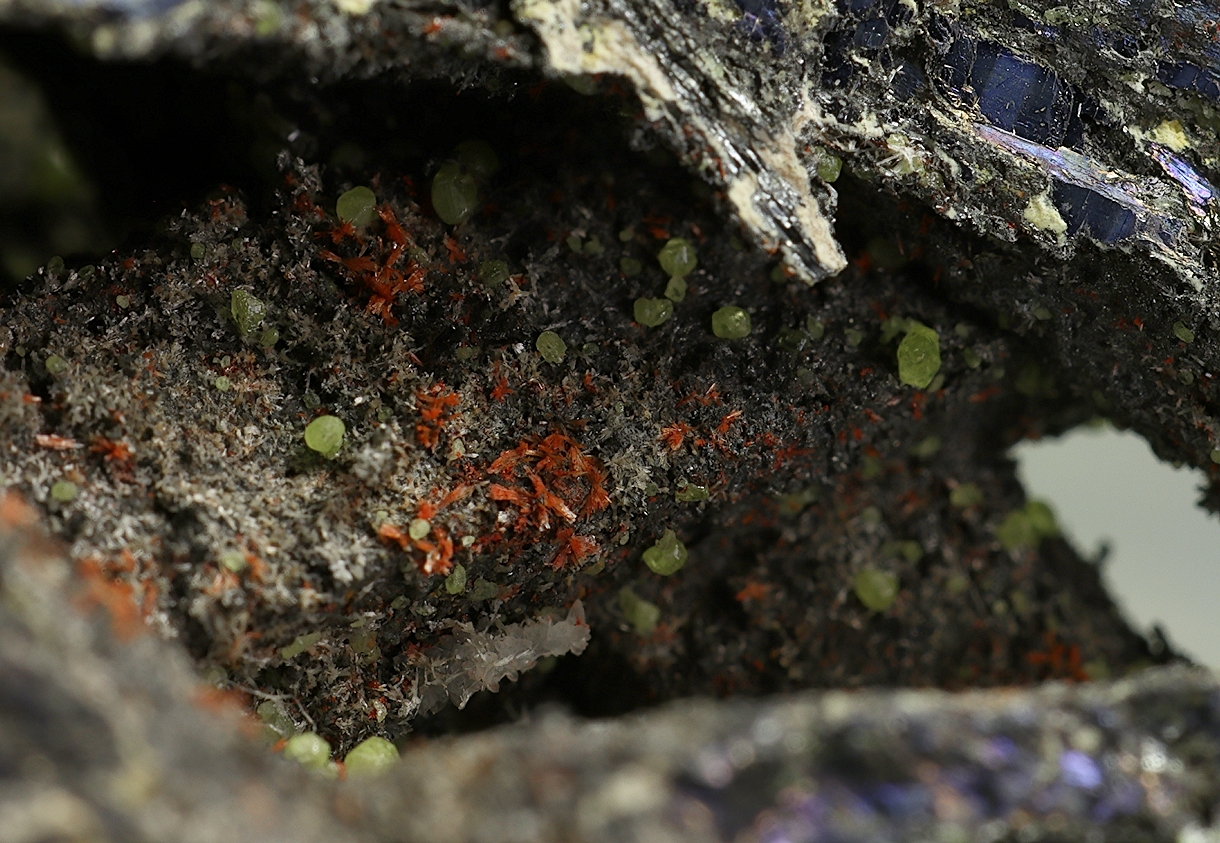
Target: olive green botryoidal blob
point(551, 346)
point(325, 435)
point(455, 194)
point(731, 323)
point(370, 757)
point(653, 312)
point(876, 589)
point(630, 267)
point(667, 556)
point(479, 159)
point(1183, 333)
point(310, 751)
point(919, 356)
point(642, 615)
point(248, 312)
point(677, 258)
point(63, 491)
point(357, 207)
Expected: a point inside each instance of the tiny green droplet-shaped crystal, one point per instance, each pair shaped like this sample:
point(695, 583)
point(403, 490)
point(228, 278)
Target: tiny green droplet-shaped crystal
point(325, 435)
point(677, 257)
point(652, 312)
point(269, 337)
point(876, 589)
point(247, 311)
point(198, 250)
point(222, 384)
point(630, 267)
point(309, 750)
point(731, 323)
point(551, 346)
point(477, 156)
point(455, 194)
point(370, 757)
point(357, 206)
point(667, 556)
point(919, 356)
point(234, 560)
point(1183, 333)
point(63, 491)
point(419, 528)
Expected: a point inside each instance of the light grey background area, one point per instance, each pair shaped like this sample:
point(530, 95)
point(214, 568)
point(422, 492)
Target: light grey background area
point(1164, 564)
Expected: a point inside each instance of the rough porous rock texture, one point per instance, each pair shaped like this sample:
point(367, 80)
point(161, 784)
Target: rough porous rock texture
point(463, 360)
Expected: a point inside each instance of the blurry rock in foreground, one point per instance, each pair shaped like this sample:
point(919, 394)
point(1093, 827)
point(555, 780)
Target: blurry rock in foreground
point(107, 737)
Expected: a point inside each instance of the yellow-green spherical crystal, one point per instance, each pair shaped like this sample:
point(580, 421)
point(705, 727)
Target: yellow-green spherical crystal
point(370, 757)
point(358, 206)
point(56, 365)
point(455, 194)
point(652, 312)
point(551, 346)
point(677, 257)
point(493, 273)
point(919, 356)
point(308, 750)
point(479, 159)
point(667, 556)
point(876, 589)
point(325, 435)
point(247, 310)
point(63, 491)
point(731, 323)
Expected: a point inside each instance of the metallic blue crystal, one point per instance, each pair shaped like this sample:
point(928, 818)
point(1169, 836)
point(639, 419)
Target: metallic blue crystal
point(1189, 77)
point(1012, 93)
point(1198, 189)
point(1091, 199)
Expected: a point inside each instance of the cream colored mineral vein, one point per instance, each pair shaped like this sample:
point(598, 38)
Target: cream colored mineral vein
point(602, 45)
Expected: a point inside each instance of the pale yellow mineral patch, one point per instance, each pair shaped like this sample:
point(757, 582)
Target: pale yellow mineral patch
point(1042, 214)
point(1171, 134)
point(354, 7)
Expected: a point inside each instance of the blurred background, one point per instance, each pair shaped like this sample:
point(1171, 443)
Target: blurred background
point(1159, 552)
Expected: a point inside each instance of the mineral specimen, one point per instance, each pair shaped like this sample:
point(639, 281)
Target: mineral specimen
point(439, 452)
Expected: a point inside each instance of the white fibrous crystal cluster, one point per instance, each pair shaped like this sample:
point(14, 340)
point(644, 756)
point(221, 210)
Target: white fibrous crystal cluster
point(469, 661)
